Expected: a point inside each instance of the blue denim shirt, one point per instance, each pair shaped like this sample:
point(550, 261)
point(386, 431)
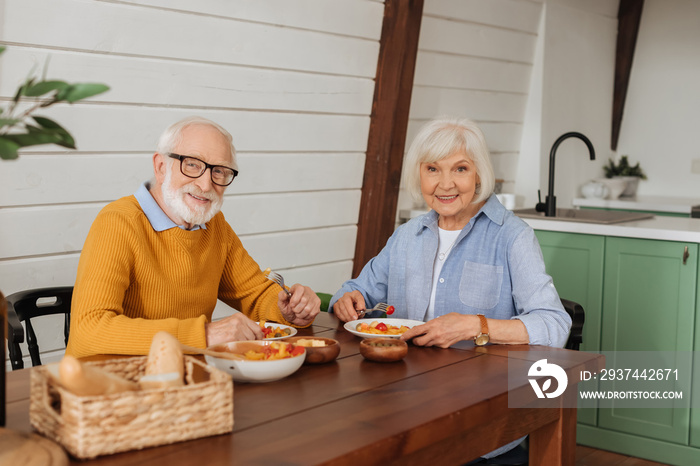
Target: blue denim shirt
point(495, 268)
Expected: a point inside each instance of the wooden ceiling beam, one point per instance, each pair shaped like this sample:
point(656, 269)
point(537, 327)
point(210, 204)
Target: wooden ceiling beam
point(387, 131)
point(628, 17)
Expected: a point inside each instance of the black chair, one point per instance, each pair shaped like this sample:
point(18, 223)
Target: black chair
point(23, 306)
point(578, 318)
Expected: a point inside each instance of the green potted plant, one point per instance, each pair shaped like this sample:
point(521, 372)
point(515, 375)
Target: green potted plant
point(631, 174)
point(19, 127)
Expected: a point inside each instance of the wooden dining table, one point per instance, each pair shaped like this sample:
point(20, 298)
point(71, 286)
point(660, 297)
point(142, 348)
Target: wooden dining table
point(437, 406)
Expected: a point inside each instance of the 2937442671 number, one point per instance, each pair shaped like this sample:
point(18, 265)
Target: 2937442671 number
point(638, 374)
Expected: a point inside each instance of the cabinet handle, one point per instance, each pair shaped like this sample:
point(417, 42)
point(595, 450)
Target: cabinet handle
point(686, 255)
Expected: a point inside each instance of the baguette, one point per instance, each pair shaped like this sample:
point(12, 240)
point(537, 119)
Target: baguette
point(86, 380)
point(166, 357)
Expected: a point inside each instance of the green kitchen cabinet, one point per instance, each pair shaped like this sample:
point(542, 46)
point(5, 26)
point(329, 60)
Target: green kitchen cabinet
point(639, 295)
point(575, 262)
point(649, 305)
point(695, 413)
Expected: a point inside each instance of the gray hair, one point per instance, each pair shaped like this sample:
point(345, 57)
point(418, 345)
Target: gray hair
point(172, 136)
point(441, 138)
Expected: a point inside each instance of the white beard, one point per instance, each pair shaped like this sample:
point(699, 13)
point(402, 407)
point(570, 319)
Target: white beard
point(175, 200)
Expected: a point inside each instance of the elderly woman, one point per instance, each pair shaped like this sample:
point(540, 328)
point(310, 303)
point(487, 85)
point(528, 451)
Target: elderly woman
point(469, 268)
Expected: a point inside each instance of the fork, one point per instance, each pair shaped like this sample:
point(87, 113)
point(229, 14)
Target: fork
point(277, 278)
point(382, 307)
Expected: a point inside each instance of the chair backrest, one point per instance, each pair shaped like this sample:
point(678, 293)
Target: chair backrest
point(23, 306)
point(325, 300)
point(578, 318)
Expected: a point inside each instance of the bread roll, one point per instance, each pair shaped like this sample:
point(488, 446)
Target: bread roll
point(166, 357)
point(85, 380)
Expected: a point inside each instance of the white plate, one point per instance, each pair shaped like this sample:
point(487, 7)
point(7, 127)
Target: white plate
point(292, 332)
point(350, 326)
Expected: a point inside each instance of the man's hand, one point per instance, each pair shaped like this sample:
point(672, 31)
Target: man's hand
point(302, 307)
point(347, 305)
point(232, 328)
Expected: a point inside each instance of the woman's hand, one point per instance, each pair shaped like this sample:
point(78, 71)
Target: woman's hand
point(347, 306)
point(302, 307)
point(444, 331)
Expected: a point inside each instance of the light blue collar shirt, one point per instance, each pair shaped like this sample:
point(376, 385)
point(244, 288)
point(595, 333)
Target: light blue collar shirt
point(495, 268)
point(158, 219)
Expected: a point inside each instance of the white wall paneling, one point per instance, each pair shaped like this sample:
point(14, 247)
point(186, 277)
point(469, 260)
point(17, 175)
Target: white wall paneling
point(292, 80)
point(128, 29)
point(476, 40)
point(500, 136)
point(482, 105)
point(161, 82)
point(478, 59)
point(577, 83)
point(660, 119)
point(343, 17)
point(44, 179)
point(124, 128)
point(475, 61)
point(509, 14)
point(287, 250)
point(260, 213)
point(441, 70)
point(38, 272)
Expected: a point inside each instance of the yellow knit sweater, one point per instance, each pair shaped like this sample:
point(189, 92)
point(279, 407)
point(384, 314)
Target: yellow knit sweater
point(134, 281)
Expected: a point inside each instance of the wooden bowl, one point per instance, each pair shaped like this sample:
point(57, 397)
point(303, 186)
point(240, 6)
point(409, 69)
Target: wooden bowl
point(383, 349)
point(318, 354)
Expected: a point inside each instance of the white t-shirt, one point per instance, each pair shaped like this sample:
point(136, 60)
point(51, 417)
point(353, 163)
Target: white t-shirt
point(446, 241)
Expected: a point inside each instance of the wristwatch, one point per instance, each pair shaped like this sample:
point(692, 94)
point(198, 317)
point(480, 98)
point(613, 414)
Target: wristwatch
point(482, 338)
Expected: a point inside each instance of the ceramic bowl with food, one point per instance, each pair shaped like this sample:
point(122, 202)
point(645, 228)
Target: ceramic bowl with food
point(318, 349)
point(383, 349)
point(244, 369)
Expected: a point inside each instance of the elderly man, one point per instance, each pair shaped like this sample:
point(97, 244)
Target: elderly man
point(159, 259)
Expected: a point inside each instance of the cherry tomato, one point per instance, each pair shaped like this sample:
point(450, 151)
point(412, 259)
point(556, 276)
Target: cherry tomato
point(390, 310)
point(381, 326)
point(297, 350)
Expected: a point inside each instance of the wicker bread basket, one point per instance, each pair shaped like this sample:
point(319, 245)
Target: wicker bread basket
point(91, 426)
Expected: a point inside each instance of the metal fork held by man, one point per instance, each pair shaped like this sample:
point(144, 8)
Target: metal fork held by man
point(277, 278)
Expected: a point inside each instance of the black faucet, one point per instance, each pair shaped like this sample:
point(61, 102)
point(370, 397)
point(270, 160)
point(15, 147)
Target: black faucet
point(549, 207)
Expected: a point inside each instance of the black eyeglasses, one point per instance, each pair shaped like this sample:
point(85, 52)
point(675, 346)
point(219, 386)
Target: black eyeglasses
point(192, 167)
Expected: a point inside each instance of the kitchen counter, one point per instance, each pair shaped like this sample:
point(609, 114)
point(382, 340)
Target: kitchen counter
point(677, 205)
point(659, 228)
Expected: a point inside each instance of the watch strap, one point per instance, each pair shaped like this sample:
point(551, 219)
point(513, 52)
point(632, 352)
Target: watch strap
point(484, 324)
point(483, 337)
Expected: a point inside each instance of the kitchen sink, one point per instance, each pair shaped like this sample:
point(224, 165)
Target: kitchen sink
point(605, 217)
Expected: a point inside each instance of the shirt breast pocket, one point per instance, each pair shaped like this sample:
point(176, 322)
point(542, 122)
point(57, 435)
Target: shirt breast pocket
point(480, 285)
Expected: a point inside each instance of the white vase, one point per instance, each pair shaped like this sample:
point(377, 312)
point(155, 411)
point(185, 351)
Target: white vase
point(631, 187)
point(615, 186)
point(595, 190)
